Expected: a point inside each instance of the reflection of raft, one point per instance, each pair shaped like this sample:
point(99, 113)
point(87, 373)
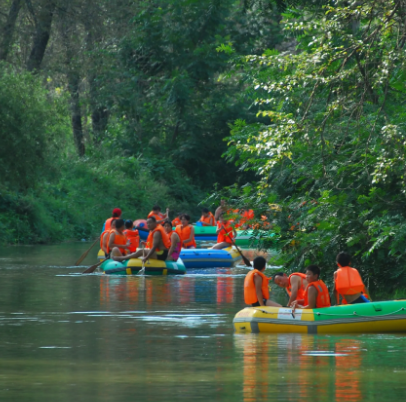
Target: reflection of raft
point(377, 317)
point(152, 267)
point(208, 258)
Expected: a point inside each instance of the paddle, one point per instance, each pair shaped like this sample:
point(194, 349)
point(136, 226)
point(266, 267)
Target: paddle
point(84, 255)
point(91, 269)
point(142, 270)
point(245, 259)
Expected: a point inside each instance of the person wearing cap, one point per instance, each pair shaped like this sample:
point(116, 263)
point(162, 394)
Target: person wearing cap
point(116, 214)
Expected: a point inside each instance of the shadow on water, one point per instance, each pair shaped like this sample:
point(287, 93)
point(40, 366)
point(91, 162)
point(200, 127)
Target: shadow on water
point(65, 337)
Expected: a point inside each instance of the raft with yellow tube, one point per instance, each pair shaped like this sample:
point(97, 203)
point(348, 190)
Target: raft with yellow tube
point(152, 267)
point(366, 318)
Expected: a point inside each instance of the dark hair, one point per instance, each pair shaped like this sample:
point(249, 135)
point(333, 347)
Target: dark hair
point(167, 222)
point(314, 269)
point(186, 216)
point(116, 215)
point(343, 259)
point(156, 208)
point(119, 223)
point(259, 263)
point(152, 218)
point(205, 210)
point(129, 224)
point(277, 274)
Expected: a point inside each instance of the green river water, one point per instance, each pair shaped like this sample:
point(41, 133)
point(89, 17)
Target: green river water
point(71, 337)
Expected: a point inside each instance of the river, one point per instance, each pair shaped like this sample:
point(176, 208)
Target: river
point(71, 337)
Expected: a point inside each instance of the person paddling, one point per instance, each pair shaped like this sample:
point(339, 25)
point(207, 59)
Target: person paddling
point(158, 215)
point(207, 218)
point(295, 285)
point(176, 244)
point(225, 234)
point(186, 232)
point(132, 235)
point(118, 240)
point(104, 238)
point(115, 215)
point(316, 294)
point(256, 290)
point(348, 283)
point(157, 244)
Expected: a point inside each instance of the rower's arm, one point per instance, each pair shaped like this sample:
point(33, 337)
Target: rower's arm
point(112, 244)
point(295, 283)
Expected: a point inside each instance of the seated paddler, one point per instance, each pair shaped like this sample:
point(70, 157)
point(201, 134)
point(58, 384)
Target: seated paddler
point(316, 294)
point(118, 240)
point(256, 286)
point(348, 285)
point(158, 244)
point(225, 234)
point(207, 218)
point(295, 285)
point(176, 243)
point(186, 232)
point(133, 236)
point(158, 215)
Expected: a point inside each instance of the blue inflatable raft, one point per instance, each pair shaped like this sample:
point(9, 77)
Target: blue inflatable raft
point(209, 258)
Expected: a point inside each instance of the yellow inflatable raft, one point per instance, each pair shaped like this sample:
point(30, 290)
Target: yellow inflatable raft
point(377, 317)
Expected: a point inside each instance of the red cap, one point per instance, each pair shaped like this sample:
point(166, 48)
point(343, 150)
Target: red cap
point(117, 211)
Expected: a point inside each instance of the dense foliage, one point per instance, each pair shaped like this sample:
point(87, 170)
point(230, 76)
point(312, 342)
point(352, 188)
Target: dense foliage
point(329, 143)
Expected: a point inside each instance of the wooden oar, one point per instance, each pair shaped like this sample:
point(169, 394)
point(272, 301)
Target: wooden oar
point(92, 268)
point(84, 255)
point(142, 270)
point(245, 259)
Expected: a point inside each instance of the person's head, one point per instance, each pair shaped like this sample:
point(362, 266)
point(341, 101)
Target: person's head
point(113, 223)
point(156, 208)
point(167, 226)
point(129, 224)
point(223, 219)
point(205, 212)
point(259, 263)
point(116, 213)
point(120, 224)
point(343, 259)
point(281, 279)
point(185, 219)
point(151, 223)
point(222, 203)
point(312, 273)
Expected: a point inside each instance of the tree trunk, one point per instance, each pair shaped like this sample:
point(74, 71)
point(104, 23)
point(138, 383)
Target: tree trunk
point(73, 84)
point(9, 29)
point(100, 117)
point(42, 34)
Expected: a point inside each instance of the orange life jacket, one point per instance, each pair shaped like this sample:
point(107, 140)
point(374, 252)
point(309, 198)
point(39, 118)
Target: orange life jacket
point(107, 238)
point(209, 220)
point(134, 239)
point(250, 293)
point(157, 215)
point(245, 217)
point(118, 239)
point(348, 281)
point(107, 225)
point(302, 290)
point(184, 234)
point(323, 296)
point(226, 235)
point(101, 239)
point(176, 222)
point(165, 238)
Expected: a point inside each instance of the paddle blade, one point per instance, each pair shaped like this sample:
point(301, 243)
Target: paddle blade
point(84, 255)
point(91, 269)
point(246, 261)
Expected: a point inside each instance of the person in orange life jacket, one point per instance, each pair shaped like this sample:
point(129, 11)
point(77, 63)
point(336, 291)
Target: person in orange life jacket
point(105, 237)
point(256, 291)
point(225, 234)
point(295, 285)
point(245, 221)
point(186, 232)
point(132, 235)
point(118, 240)
point(176, 244)
point(115, 215)
point(207, 218)
point(158, 215)
point(348, 282)
point(176, 221)
point(157, 244)
point(317, 294)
